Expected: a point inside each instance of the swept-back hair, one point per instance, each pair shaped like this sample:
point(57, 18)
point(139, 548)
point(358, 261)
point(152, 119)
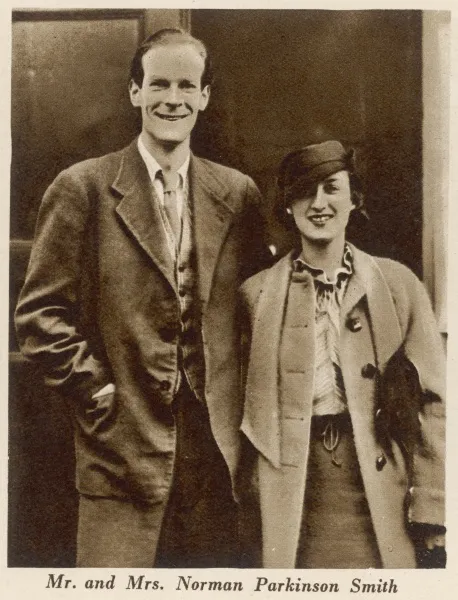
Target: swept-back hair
point(164, 37)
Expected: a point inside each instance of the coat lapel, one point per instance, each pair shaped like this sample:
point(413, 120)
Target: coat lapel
point(212, 218)
point(261, 415)
point(139, 210)
point(368, 281)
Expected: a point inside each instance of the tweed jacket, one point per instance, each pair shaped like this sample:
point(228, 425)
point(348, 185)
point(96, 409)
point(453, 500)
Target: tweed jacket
point(100, 304)
point(395, 313)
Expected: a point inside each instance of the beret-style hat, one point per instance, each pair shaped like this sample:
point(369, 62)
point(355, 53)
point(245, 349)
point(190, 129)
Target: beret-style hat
point(302, 168)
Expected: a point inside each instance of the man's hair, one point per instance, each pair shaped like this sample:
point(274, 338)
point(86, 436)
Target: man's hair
point(164, 37)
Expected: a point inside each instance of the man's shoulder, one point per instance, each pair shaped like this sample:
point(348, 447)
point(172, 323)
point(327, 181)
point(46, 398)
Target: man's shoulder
point(221, 172)
point(100, 166)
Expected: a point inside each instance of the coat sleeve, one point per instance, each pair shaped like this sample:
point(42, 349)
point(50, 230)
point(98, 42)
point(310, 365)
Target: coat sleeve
point(255, 250)
point(47, 314)
point(424, 348)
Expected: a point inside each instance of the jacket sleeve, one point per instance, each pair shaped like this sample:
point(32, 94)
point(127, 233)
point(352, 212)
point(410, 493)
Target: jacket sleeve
point(424, 348)
point(47, 314)
point(256, 255)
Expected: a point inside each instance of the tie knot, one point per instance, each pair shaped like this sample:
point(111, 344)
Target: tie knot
point(169, 180)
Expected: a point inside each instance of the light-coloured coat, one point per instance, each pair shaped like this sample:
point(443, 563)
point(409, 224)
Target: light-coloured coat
point(394, 311)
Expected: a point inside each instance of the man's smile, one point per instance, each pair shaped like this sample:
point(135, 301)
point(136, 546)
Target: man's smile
point(166, 117)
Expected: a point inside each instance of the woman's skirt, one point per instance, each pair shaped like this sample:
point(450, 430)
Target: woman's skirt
point(337, 531)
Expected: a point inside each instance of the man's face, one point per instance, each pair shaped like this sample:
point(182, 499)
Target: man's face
point(170, 97)
point(322, 213)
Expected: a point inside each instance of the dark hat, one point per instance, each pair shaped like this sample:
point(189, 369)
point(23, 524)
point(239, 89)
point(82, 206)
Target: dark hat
point(303, 168)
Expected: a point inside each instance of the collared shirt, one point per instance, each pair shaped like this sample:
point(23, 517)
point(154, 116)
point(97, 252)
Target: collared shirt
point(329, 392)
point(154, 168)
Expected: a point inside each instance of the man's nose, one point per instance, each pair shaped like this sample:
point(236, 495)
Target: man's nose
point(319, 200)
point(173, 96)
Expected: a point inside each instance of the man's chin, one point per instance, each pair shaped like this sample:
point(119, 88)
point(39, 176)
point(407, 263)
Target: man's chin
point(169, 139)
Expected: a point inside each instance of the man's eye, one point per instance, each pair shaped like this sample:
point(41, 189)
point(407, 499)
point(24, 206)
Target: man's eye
point(158, 84)
point(331, 188)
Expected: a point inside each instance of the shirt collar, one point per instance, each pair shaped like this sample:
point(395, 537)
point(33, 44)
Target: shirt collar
point(340, 274)
point(154, 167)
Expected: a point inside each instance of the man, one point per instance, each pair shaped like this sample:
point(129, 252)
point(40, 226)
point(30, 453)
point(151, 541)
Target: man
point(129, 304)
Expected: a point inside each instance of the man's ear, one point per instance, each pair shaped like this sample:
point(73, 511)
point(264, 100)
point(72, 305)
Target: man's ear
point(134, 93)
point(204, 97)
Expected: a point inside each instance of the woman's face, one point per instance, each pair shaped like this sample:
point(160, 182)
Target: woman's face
point(322, 213)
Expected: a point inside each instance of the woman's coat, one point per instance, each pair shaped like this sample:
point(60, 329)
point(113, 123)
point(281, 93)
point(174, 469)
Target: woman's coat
point(394, 311)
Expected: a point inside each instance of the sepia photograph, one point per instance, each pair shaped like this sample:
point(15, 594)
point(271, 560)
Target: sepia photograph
point(228, 277)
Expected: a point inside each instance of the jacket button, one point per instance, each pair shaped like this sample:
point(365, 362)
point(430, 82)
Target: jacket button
point(165, 385)
point(182, 292)
point(378, 413)
point(380, 462)
point(369, 371)
point(354, 324)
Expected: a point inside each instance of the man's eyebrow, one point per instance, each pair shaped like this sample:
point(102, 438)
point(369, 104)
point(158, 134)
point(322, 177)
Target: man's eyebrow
point(158, 80)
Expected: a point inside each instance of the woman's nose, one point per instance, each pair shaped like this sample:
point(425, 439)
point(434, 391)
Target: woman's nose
point(319, 200)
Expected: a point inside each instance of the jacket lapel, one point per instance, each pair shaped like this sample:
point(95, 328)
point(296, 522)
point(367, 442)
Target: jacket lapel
point(139, 210)
point(212, 218)
point(368, 281)
point(261, 421)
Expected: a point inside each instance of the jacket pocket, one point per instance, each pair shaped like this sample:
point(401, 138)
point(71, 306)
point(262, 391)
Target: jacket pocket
point(97, 414)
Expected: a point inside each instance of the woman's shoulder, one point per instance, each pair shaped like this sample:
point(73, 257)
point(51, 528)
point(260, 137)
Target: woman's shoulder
point(254, 285)
point(397, 275)
point(400, 278)
point(407, 290)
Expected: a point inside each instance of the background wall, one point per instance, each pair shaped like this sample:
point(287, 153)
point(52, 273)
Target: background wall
point(284, 78)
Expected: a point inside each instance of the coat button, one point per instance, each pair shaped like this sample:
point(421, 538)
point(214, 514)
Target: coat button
point(369, 371)
point(354, 324)
point(378, 413)
point(165, 385)
point(380, 462)
point(182, 292)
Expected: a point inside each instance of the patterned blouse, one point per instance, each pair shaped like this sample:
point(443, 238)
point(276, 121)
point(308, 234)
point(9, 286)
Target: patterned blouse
point(329, 393)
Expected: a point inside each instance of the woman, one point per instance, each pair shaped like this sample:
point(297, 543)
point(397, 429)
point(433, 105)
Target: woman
point(344, 413)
